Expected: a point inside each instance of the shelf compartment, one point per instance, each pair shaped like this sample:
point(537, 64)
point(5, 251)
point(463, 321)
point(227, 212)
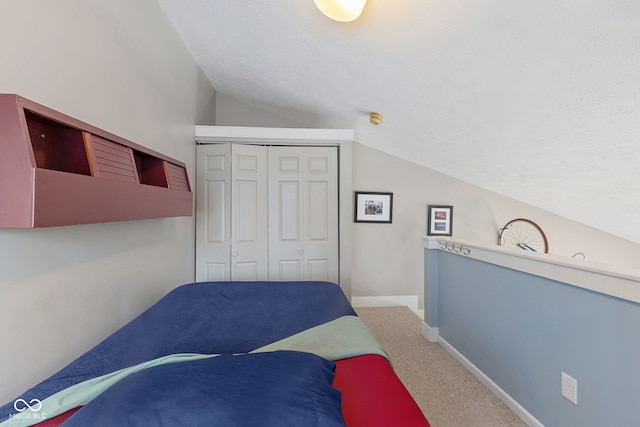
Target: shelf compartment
point(57, 146)
point(151, 170)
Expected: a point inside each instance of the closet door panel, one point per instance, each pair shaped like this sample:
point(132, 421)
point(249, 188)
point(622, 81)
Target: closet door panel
point(249, 216)
point(321, 214)
point(247, 204)
point(215, 216)
point(213, 210)
point(246, 271)
point(288, 201)
point(289, 270)
point(215, 272)
point(286, 219)
point(318, 269)
point(303, 213)
point(318, 211)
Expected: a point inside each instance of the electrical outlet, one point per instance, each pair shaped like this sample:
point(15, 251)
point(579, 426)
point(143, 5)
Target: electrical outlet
point(570, 388)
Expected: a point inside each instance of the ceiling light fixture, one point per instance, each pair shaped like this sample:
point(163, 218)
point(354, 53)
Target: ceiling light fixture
point(341, 10)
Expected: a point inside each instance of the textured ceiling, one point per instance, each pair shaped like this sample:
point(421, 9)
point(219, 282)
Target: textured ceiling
point(536, 100)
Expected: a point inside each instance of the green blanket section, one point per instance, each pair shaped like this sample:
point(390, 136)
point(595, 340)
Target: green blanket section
point(341, 338)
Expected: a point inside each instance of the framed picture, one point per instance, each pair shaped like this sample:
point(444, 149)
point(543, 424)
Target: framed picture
point(439, 220)
point(373, 207)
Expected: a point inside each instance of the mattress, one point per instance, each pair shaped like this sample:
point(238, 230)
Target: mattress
point(229, 353)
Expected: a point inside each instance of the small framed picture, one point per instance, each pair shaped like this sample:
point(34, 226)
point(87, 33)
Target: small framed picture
point(439, 220)
point(373, 207)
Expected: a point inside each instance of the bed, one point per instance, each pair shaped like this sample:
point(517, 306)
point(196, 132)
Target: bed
point(229, 354)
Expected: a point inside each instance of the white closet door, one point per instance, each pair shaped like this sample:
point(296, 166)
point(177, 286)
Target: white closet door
point(303, 213)
point(213, 212)
point(231, 213)
point(249, 213)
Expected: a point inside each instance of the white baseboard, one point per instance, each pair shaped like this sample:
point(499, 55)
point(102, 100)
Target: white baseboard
point(524, 415)
point(431, 334)
point(410, 301)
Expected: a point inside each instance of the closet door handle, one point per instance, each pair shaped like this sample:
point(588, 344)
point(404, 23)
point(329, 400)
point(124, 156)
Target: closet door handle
point(300, 252)
point(235, 253)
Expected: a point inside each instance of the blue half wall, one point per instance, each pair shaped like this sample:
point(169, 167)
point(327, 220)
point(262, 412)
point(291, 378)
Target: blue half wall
point(522, 330)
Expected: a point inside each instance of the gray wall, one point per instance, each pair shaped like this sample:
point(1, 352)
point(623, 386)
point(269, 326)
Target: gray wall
point(118, 65)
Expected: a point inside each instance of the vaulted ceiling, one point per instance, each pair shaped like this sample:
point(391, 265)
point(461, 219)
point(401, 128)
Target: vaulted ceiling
point(536, 100)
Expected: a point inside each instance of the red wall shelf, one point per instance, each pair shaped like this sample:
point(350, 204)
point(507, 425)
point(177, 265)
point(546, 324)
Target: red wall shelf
point(56, 170)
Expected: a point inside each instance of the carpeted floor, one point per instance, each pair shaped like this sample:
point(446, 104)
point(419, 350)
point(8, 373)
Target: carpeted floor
point(448, 394)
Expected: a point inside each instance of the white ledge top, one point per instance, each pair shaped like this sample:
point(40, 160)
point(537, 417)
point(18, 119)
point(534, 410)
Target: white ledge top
point(619, 282)
point(206, 134)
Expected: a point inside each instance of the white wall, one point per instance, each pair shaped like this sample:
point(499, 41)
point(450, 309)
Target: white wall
point(388, 258)
point(120, 66)
point(233, 112)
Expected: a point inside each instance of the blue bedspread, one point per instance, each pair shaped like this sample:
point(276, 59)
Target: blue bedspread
point(277, 389)
point(206, 318)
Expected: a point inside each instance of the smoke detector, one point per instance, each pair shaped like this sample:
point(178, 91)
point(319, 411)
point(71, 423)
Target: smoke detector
point(375, 118)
